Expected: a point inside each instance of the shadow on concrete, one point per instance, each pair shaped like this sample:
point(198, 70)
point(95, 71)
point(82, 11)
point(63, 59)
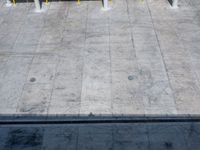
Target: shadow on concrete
point(132, 132)
point(170, 1)
point(92, 118)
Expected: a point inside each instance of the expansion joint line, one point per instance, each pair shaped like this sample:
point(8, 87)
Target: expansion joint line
point(161, 53)
point(133, 43)
point(83, 63)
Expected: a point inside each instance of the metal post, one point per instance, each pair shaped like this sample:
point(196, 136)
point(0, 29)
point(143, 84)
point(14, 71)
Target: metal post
point(105, 5)
point(37, 5)
point(8, 3)
point(175, 4)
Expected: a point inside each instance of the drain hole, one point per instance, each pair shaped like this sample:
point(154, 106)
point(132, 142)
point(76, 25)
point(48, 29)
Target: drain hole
point(32, 79)
point(130, 77)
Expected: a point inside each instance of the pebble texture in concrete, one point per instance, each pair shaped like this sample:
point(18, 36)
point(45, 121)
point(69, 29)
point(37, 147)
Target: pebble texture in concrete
point(141, 57)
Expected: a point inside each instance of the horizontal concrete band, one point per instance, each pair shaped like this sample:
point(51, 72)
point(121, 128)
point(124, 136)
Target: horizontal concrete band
point(62, 119)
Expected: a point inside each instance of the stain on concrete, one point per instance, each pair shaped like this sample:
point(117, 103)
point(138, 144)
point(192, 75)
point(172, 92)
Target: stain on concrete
point(24, 138)
point(168, 145)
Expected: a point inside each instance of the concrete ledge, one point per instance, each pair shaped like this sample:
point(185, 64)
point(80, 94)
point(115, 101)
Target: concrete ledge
point(66, 119)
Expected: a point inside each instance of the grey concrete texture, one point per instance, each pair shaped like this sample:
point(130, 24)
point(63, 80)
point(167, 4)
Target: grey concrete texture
point(138, 58)
point(133, 136)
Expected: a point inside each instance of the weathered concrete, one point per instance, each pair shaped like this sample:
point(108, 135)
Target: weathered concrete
point(141, 57)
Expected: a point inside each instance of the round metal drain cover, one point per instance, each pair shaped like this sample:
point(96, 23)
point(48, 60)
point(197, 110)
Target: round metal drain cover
point(130, 77)
point(32, 79)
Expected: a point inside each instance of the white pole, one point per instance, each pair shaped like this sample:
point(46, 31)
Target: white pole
point(8, 3)
point(105, 5)
point(175, 4)
point(37, 5)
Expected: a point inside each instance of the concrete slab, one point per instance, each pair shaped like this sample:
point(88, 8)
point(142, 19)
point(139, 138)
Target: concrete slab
point(139, 58)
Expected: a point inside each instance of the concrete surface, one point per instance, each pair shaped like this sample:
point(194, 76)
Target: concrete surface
point(149, 136)
point(141, 57)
